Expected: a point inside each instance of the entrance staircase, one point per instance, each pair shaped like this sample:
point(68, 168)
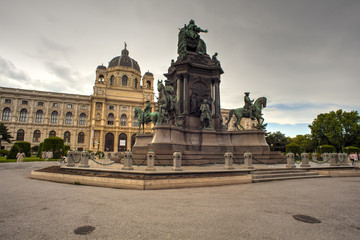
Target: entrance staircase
point(266, 175)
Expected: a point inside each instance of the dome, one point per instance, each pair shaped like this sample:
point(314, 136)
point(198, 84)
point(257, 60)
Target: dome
point(101, 67)
point(124, 60)
point(149, 74)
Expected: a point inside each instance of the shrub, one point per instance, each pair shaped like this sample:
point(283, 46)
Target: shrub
point(15, 149)
point(351, 149)
point(4, 152)
point(325, 149)
point(294, 148)
point(54, 144)
point(40, 149)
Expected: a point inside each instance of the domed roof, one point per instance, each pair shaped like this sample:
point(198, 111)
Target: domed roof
point(149, 74)
point(124, 60)
point(101, 67)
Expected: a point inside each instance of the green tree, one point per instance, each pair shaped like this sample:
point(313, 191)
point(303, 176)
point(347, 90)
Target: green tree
point(304, 141)
point(338, 129)
point(4, 132)
point(277, 141)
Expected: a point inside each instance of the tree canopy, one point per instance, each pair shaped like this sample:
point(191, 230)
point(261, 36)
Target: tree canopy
point(277, 141)
point(339, 129)
point(4, 132)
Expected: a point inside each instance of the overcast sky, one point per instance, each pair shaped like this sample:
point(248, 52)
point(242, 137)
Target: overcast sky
point(303, 55)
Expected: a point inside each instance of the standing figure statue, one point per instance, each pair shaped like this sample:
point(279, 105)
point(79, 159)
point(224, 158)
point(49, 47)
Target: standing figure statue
point(205, 117)
point(166, 102)
point(248, 104)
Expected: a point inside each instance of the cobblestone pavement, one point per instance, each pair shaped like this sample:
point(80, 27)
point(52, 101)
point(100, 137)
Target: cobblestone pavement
point(34, 209)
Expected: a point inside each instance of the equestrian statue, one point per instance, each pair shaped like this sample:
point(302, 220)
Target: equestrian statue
point(250, 110)
point(146, 116)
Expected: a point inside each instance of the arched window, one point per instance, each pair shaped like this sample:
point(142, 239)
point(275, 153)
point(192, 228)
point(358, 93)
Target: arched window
point(36, 137)
point(68, 118)
point(39, 116)
point(109, 142)
point(54, 117)
point(124, 80)
point(135, 122)
point(148, 85)
point(52, 133)
point(23, 115)
point(20, 135)
point(6, 114)
point(135, 83)
point(122, 142)
point(110, 119)
point(67, 138)
point(82, 119)
point(101, 78)
point(112, 80)
point(81, 137)
point(123, 120)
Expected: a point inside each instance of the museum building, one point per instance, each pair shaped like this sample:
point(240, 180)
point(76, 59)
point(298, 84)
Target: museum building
point(103, 121)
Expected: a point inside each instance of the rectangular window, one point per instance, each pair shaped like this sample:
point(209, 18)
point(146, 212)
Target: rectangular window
point(7, 100)
point(40, 104)
point(111, 107)
point(69, 106)
point(124, 108)
point(24, 102)
point(83, 107)
point(55, 104)
point(98, 105)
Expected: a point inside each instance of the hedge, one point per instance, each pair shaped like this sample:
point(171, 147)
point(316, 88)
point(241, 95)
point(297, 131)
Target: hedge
point(54, 144)
point(15, 149)
point(351, 149)
point(325, 149)
point(294, 148)
point(4, 152)
point(41, 145)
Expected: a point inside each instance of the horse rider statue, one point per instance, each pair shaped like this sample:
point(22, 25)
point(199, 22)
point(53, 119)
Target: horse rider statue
point(248, 104)
point(147, 111)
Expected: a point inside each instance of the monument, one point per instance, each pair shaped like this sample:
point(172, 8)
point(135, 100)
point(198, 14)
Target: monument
point(189, 118)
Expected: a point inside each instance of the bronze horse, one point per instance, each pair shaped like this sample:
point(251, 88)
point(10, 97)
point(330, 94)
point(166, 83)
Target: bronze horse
point(139, 113)
point(240, 113)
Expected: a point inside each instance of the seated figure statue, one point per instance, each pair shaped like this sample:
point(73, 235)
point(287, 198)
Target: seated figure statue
point(189, 39)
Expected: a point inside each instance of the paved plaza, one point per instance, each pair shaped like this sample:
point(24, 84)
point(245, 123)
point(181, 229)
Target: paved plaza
point(34, 209)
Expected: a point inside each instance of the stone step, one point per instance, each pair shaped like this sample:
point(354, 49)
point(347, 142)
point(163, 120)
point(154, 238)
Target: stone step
point(280, 175)
point(271, 171)
point(286, 178)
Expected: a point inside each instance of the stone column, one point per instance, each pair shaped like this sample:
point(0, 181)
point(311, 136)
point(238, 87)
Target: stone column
point(127, 161)
point(177, 161)
point(326, 157)
point(178, 94)
point(84, 162)
point(248, 160)
point(305, 160)
point(150, 159)
point(334, 159)
point(314, 157)
point(229, 158)
point(70, 159)
point(345, 159)
point(290, 160)
point(186, 94)
point(217, 97)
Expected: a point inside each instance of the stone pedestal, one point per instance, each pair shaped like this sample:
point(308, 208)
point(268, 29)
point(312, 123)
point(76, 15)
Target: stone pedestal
point(84, 162)
point(70, 159)
point(345, 159)
point(177, 156)
point(128, 161)
point(314, 157)
point(304, 160)
point(150, 161)
point(290, 160)
point(334, 159)
point(229, 158)
point(248, 161)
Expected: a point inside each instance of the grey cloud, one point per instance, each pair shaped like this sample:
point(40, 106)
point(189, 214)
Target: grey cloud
point(9, 71)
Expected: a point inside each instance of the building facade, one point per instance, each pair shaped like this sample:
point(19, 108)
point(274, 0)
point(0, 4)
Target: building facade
point(103, 121)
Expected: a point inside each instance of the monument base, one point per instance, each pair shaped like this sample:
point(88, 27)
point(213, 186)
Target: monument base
point(201, 147)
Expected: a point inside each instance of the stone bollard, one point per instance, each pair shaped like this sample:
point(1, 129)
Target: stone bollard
point(325, 157)
point(290, 160)
point(346, 159)
point(248, 160)
point(150, 161)
point(127, 161)
point(314, 157)
point(229, 158)
point(84, 162)
point(70, 159)
point(342, 159)
point(177, 161)
point(304, 160)
point(77, 157)
point(334, 159)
